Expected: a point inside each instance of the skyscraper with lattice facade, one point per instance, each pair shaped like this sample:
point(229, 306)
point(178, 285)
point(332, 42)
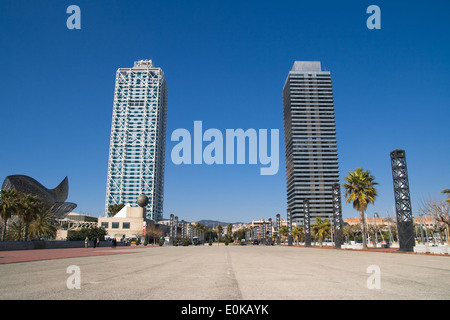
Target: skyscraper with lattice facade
point(138, 138)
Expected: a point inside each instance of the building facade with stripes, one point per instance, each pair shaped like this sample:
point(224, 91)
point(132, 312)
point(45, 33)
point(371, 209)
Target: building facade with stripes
point(310, 140)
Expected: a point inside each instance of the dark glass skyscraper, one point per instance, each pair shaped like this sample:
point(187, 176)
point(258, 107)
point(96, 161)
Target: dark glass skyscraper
point(310, 140)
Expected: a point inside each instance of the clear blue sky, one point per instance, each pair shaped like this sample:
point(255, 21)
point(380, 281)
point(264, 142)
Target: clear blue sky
point(225, 63)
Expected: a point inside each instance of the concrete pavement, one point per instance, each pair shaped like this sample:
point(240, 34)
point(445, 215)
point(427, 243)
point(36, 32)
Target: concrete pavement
point(230, 273)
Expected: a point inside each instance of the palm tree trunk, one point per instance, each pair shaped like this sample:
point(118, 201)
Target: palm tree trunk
point(4, 229)
point(363, 228)
point(25, 232)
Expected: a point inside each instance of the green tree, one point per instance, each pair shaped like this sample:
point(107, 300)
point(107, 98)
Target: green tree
point(219, 232)
point(200, 229)
point(91, 233)
point(360, 190)
point(298, 232)
point(43, 225)
point(283, 232)
point(240, 234)
point(30, 206)
point(229, 230)
point(274, 236)
point(351, 230)
point(9, 204)
point(15, 229)
point(113, 209)
point(321, 229)
point(346, 232)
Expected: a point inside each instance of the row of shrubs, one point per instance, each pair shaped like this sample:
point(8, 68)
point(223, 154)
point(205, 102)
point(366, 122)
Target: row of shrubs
point(185, 242)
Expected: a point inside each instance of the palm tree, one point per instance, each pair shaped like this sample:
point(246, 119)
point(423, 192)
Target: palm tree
point(229, 230)
point(219, 232)
point(200, 229)
point(297, 232)
point(283, 232)
point(360, 190)
point(43, 224)
point(321, 229)
point(448, 192)
point(274, 236)
point(8, 206)
point(15, 229)
point(205, 230)
point(30, 206)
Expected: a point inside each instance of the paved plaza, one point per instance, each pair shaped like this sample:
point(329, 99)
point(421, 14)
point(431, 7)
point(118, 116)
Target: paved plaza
point(222, 273)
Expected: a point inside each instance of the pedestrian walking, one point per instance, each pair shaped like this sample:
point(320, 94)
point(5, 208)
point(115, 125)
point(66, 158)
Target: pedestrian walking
point(86, 242)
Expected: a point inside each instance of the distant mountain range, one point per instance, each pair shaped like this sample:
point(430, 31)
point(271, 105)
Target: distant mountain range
point(215, 223)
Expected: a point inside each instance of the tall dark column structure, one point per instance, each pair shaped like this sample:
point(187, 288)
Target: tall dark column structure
point(263, 232)
point(171, 230)
point(402, 201)
point(289, 226)
point(183, 230)
point(175, 226)
point(278, 229)
point(307, 223)
point(337, 215)
point(269, 230)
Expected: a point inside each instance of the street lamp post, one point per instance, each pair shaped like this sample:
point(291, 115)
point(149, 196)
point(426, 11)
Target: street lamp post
point(421, 228)
point(375, 216)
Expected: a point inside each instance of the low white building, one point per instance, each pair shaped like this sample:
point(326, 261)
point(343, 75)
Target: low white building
point(130, 222)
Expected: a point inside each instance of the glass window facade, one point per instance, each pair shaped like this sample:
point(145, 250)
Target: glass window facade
point(138, 133)
point(310, 140)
